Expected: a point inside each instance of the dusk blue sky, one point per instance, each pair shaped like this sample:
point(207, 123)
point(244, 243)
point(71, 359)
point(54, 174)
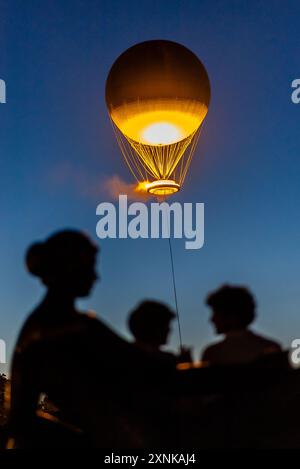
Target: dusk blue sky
point(57, 149)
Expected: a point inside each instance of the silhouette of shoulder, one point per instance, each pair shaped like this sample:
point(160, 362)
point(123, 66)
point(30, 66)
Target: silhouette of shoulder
point(240, 347)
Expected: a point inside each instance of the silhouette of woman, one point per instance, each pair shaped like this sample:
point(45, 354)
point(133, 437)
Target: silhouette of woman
point(73, 358)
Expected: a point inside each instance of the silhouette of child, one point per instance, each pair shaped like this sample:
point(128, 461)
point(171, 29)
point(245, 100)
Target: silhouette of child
point(150, 325)
point(233, 310)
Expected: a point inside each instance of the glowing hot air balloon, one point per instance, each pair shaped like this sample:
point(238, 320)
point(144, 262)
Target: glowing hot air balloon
point(157, 94)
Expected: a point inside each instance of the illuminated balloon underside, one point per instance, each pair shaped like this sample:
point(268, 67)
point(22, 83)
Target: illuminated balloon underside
point(161, 168)
point(157, 117)
point(160, 139)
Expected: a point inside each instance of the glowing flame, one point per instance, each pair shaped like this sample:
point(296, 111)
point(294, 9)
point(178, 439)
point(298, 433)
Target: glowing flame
point(142, 187)
point(161, 133)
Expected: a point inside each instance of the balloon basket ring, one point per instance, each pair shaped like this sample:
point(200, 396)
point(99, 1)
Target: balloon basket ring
point(163, 187)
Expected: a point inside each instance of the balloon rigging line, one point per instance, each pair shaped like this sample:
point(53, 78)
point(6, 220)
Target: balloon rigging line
point(175, 293)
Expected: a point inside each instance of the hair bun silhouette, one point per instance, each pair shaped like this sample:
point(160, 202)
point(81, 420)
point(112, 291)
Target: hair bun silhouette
point(35, 259)
point(54, 255)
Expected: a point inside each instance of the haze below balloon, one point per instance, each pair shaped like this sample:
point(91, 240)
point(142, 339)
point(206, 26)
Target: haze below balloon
point(59, 155)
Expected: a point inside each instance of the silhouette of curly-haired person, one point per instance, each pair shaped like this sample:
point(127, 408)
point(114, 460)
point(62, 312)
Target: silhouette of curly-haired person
point(150, 325)
point(233, 310)
point(72, 357)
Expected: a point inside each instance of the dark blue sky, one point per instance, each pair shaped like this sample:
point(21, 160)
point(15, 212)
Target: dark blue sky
point(57, 148)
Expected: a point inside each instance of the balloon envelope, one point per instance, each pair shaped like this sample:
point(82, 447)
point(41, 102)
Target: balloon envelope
point(157, 94)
